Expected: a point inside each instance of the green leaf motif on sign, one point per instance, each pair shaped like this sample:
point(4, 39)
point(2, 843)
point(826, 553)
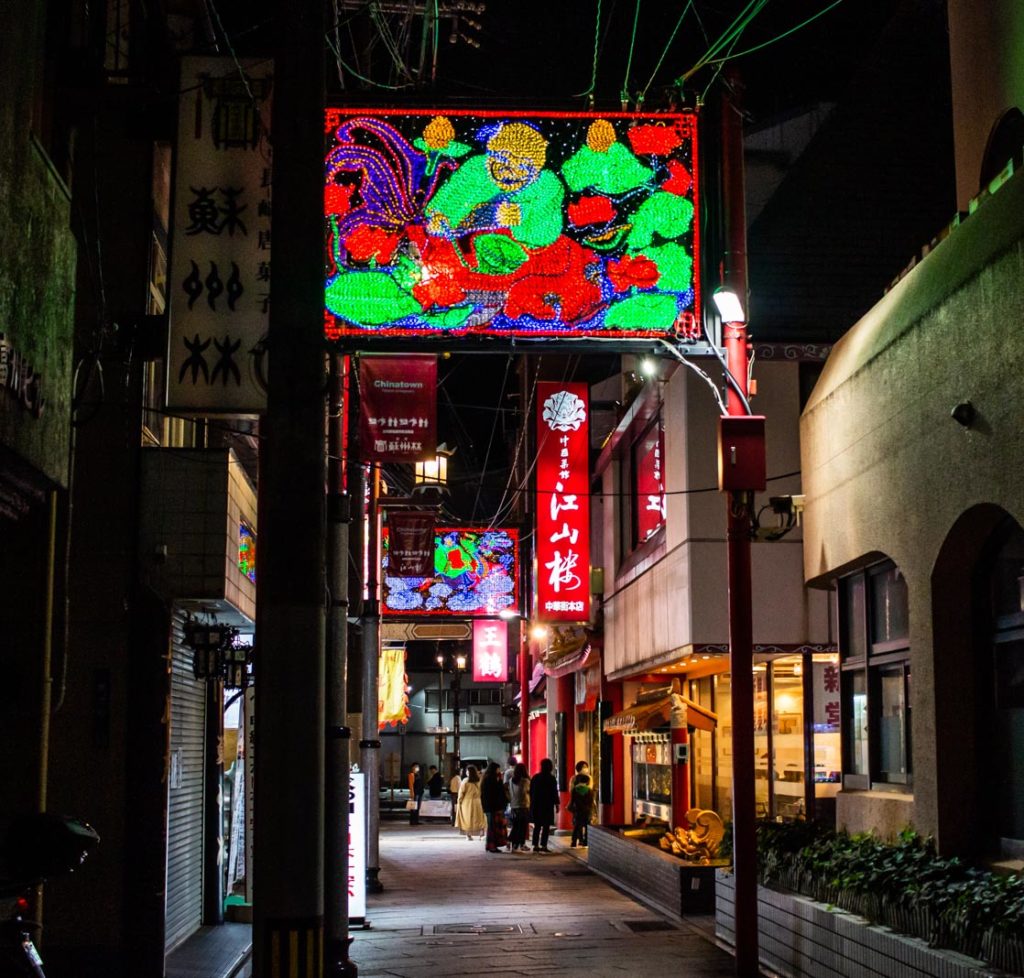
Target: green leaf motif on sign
point(497, 254)
point(643, 311)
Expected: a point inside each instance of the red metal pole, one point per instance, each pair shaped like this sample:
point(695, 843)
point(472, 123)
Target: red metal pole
point(741, 647)
point(524, 694)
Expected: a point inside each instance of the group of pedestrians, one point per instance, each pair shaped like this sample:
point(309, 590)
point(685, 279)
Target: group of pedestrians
point(501, 806)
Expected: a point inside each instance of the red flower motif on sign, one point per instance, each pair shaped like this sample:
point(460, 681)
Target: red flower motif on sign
point(591, 210)
point(629, 271)
point(338, 199)
point(680, 181)
point(439, 278)
point(369, 242)
point(656, 140)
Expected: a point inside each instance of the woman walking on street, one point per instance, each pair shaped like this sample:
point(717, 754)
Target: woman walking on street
point(519, 802)
point(581, 804)
point(493, 799)
point(469, 813)
point(543, 804)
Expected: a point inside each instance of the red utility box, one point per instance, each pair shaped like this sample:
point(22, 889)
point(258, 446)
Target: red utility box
point(741, 453)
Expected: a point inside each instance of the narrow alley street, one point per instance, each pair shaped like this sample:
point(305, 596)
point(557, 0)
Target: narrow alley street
point(450, 909)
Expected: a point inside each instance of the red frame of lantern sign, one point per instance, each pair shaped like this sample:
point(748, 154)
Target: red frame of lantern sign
point(563, 502)
point(592, 212)
point(423, 585)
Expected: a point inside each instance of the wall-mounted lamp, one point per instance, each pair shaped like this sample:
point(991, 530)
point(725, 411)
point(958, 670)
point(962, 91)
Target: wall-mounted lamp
point(539, 632)
point(648, 367)
point(729, 305)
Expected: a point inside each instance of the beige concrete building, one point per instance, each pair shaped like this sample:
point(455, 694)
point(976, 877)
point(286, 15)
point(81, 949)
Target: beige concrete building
point(913, 466)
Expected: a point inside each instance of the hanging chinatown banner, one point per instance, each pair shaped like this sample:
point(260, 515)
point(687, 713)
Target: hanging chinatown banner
point(219, 285)
point(410, 544)
point(490, 651)
point(392, 699)
point(397, 408)
point(563, 502)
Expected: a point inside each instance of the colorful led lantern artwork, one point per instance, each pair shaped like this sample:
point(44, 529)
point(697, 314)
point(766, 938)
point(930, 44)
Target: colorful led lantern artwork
point(476, 572)
point(457, 223)
point(247, 551)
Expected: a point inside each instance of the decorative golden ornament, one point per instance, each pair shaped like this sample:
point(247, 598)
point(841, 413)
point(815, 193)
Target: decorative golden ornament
point(600, 135)
point(439, 132)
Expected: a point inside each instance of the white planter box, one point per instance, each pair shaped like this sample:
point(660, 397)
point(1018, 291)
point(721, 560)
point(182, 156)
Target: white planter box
point(799, 938)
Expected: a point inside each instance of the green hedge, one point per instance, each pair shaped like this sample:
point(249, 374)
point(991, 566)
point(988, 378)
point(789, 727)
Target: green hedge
point(903, 885)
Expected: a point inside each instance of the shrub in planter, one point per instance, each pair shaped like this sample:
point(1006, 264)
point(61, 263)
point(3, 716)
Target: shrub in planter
point(902, 884)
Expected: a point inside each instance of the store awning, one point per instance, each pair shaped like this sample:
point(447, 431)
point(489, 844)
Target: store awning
point(658, 713)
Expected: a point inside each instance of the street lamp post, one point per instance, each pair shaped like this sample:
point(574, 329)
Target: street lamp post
point(440, 707)
point(460, 665)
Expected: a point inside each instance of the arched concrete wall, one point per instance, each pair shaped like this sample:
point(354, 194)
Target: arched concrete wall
point(887, 469)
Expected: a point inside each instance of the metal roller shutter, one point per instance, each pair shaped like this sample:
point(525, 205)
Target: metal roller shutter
point(185, 794)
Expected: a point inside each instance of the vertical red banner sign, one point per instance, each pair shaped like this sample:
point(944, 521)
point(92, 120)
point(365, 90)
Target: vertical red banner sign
point(648, 466)
point(397, 408)
point(563, 502)
point(490, 651)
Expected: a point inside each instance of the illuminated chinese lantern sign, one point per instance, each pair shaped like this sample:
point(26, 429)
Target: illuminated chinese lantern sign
point(563, 502)
point(490, 651)
point(476, 222)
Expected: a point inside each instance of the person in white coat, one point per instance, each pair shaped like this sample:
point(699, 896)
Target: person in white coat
point(469, 812)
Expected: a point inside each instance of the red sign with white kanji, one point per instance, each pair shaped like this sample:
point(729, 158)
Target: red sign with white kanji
point(563, 502)
point(490, 651)
point(649, 461)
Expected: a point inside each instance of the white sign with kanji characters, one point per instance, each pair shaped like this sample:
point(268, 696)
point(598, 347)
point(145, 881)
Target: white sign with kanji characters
point(219, 288)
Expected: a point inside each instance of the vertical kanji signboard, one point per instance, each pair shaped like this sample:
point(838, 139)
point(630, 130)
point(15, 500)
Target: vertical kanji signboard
point(563, 502)
point(220, 244)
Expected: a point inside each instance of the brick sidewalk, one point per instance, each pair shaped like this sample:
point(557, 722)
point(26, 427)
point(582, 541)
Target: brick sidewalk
point(450, 909)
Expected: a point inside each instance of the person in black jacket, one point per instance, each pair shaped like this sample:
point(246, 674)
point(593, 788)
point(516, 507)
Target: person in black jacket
point(494, 798)
point(543, 804)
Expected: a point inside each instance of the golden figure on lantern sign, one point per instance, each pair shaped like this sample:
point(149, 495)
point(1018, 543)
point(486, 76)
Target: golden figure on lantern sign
point(701, 841)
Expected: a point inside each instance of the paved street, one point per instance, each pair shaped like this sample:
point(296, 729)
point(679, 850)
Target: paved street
point(451, 909)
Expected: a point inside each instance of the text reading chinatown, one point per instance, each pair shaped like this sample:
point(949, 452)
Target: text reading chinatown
point(502, 224)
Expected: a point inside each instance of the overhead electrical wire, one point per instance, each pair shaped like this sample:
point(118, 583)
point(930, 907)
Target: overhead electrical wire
point(780, 37)
point(664, 53)
point(624, 94)
point(490, 440)
point(729, 36)
point(589, 93)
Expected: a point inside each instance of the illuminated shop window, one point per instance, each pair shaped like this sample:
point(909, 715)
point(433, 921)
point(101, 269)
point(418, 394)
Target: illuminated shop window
point(875, 666)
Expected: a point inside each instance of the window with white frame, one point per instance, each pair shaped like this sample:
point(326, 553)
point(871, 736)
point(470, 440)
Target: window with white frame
point(874, 647)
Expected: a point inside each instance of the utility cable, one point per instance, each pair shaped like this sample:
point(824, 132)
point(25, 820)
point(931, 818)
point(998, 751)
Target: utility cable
point(780, 37)
point(356, 74)
point(589, 93)
point(624, 94)
point(733, 31)
point(664, 53)
point(490, 441)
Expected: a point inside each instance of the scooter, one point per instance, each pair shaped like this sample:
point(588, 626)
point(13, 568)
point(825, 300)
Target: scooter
point(33, 849)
